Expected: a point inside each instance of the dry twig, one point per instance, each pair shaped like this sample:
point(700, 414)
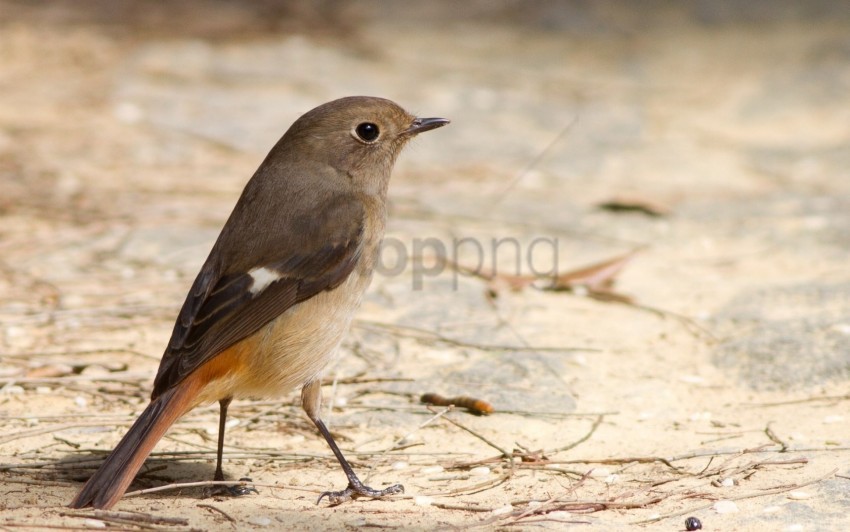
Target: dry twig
point(219, 510)
point(773, 491)
point(459, 425)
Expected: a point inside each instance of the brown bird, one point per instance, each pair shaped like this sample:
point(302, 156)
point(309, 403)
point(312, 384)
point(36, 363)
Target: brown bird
point(277, 293)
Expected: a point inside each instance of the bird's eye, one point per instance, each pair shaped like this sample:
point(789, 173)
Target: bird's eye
point(367, 131)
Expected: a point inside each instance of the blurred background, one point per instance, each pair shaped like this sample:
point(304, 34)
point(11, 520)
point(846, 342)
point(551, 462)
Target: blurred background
point(698, 99)
point(718, 130)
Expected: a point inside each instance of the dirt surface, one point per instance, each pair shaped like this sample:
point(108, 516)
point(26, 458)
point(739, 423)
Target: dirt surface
point(720, 391)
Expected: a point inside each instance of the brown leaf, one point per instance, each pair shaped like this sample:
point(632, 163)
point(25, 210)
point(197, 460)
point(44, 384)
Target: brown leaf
point(597, 279)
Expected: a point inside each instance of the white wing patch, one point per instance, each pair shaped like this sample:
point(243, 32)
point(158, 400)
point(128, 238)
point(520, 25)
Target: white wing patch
point(262, 277)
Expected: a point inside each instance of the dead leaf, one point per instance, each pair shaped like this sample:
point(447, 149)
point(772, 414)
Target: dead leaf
point(635, 204)
point(596, 280)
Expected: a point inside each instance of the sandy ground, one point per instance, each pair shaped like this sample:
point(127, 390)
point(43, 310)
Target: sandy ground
point(127, 132)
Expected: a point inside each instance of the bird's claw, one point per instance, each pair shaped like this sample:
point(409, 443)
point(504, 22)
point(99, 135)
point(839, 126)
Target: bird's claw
point(358, 490)
point(235, 490)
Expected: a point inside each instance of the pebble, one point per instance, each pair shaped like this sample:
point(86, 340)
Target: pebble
point(701, 416)
point(127, 112)
point(259, 520)
point(612, 479)
point(12, 390)
point(94, 523)
point(506, 509)
point(799, 495)
point(80, 401)
point(693, 523)
point(725, 507)
point(772, 509)
point(422, 500)
point(481, 471)
point(400, 465)
point(727, 483)
point(94, 370)
point(431, 470)
point(14, 331)
point(843, 328)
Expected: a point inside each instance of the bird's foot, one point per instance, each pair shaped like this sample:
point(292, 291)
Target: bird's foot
point(357, 489)
point(234, 490)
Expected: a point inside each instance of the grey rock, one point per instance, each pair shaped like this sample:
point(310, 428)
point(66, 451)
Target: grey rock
point(786, 336)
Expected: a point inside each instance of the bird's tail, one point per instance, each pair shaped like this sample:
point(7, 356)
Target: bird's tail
point(116, 473)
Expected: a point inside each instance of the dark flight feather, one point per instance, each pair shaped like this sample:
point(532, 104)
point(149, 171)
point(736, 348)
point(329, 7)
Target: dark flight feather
point(220, 309)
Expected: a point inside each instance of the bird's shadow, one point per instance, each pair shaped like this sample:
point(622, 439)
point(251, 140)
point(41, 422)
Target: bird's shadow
point(77, 467)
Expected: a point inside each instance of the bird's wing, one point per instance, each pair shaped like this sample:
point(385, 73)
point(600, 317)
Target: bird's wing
point(234, 296)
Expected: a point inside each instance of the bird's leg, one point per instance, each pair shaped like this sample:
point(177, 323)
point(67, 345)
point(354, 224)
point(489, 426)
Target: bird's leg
point(311, 400)
point(222, 418)
point(238, 489)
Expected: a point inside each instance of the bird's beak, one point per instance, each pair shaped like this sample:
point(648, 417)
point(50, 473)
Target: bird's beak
point(425, 124)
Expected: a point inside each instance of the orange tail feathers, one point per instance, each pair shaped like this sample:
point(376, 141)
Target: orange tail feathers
point(116, 473)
